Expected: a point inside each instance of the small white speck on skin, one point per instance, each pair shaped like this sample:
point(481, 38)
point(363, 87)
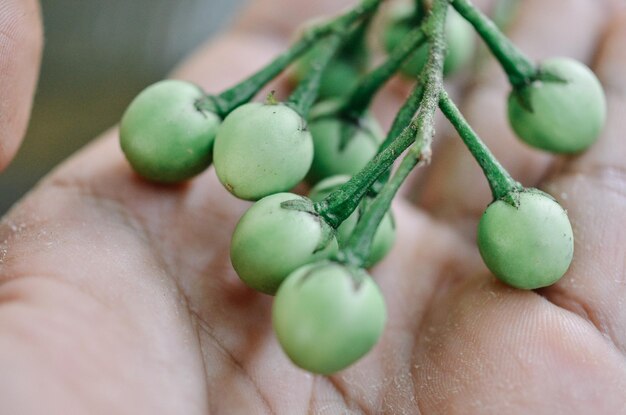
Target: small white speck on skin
point(16, 228)
point(564, 196)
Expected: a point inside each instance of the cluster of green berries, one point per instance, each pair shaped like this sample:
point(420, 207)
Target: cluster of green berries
point(328, 312)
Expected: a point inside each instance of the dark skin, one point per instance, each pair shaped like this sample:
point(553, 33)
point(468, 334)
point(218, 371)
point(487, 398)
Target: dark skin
point(117, 296)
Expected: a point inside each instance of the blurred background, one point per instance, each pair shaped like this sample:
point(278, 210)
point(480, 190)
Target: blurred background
point(98, 56)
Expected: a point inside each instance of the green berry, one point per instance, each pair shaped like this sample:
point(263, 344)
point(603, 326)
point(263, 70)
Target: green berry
point(271, 241)
point(565, 113)
point(529, 246)
point(261, 149)
point(327, 316)
point(385, 234)
point(164, 135)
point(335, 156)
point(459, 37)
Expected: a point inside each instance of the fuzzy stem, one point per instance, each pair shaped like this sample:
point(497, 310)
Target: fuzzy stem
point(303, 97)
point(518, 67)
point(501, 183)
point(433, 77)
point(404, 116)
point(360, 243)
point(402, 120)
point(241, 93)
point(341, 203)
point(358, 247)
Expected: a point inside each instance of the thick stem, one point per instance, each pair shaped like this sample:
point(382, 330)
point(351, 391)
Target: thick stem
point(501, 183)
point(360, 99)
point(519, 68)
point(433, 77)
point(360, 243)
point(241, 93)
point(404, 116)
point(358, 247)
point(402, 120)
point(303, 97)
point(341, 203)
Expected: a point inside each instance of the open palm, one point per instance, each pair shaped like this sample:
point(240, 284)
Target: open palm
point(118, 296)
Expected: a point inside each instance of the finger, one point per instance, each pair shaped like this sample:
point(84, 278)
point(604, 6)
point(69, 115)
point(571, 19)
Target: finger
point(456, 188)
point(489, 349)
point(593, 190)
point(20, 54)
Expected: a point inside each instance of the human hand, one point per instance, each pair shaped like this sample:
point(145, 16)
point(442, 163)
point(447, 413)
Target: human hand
point(117, 296)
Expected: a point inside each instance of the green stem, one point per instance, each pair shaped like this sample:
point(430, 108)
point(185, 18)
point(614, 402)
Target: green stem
point(358, 247)
point(403, 119)
point(360, 243)
point(501, 183)
point(303, 97)
point(518, 67)
point(341, 203)
point(405, 115)
point(241, 93)
point(360, 99)
point(433, 77)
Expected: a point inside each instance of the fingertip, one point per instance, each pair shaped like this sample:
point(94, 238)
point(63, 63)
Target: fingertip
point(21, 43)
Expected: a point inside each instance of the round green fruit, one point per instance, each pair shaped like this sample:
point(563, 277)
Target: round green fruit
point(529, 246)
point(166, 138)
point(385, 234)
point(261, 149)
point(335, 156)
point(459, 37)
point(271, 241)
point(327, 316)
point(564, 113)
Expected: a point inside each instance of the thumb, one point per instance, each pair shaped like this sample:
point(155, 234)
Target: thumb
point(21, 40)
